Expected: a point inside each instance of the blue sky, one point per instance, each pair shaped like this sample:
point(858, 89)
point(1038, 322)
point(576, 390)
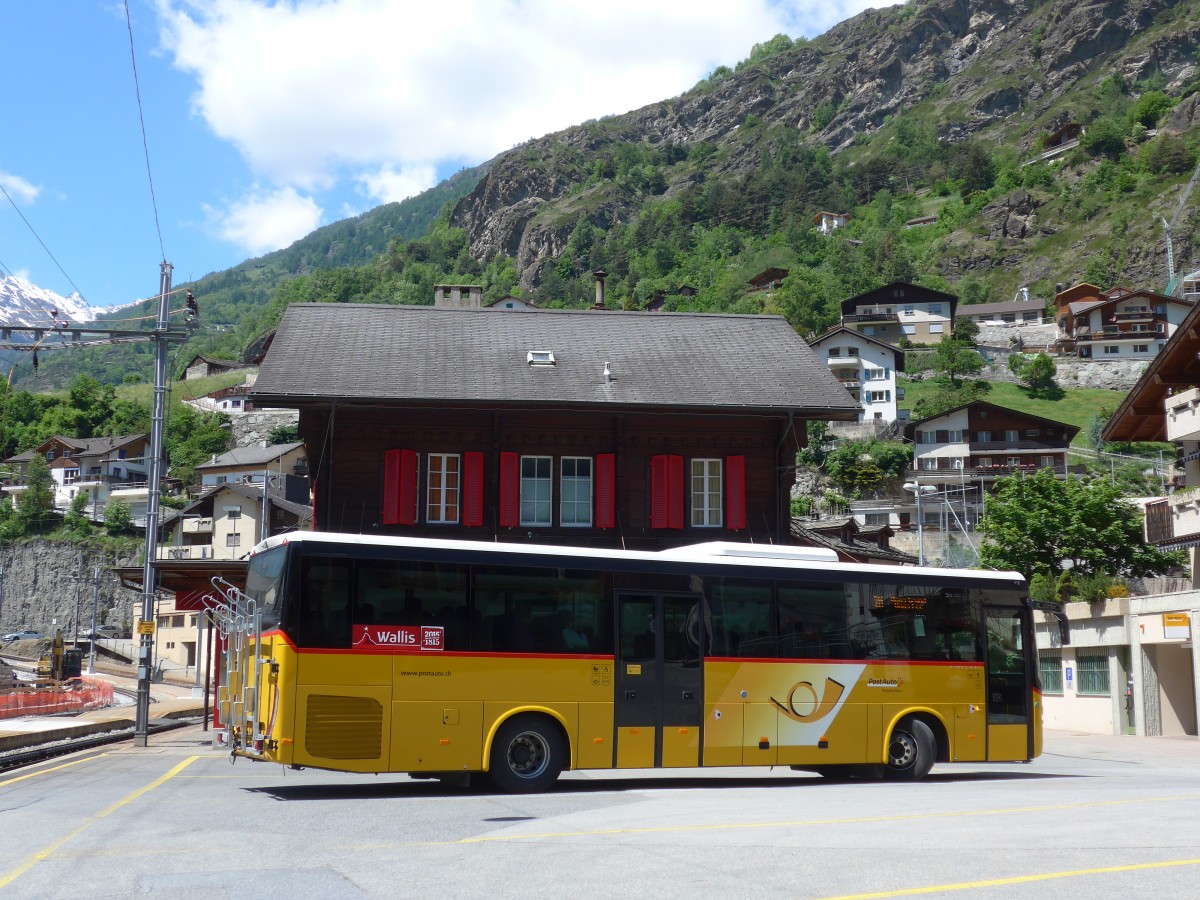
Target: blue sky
point(265, 120)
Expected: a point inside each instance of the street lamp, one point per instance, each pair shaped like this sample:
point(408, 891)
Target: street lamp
point(920, 489)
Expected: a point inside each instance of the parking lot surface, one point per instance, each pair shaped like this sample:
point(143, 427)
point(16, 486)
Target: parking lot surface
point(1095, 816)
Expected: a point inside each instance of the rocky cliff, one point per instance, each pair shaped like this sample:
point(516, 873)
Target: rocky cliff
point(48, 585)
point(1005, 71)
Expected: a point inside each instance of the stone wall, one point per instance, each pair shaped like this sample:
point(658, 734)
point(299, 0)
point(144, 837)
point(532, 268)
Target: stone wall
point(46, 582)
point(248, 429)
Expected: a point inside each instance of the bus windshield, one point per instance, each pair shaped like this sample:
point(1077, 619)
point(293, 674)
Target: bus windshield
point(262, 583)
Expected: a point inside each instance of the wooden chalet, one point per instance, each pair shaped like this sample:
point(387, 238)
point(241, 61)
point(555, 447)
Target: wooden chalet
point(556, 426)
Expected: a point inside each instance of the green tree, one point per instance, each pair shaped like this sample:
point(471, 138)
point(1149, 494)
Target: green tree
point(967, 331)
point(1037, 371)
point(36, 504)
point(118, 517)
point(76, 520)
point(954, 359)
point(1104, 137)
point(1040, 524)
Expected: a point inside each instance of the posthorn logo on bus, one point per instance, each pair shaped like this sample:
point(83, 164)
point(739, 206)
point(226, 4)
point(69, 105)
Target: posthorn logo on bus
point(400, 637)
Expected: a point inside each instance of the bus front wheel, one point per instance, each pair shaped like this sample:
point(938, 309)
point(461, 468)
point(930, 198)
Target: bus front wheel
point(527, 755)
point(912, 750)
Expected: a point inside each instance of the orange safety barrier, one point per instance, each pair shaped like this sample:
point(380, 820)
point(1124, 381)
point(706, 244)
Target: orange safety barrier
point(82, 695)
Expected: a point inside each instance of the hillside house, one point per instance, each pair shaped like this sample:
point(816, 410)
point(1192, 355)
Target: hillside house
point(1118, 324)
point(225, 521)
point(1011, 312)
point(509, 302)
point(768, 280)
point(901, 310)
point(204, 366)
point(102, 468)
point(614, 430)
point(254, 464)
point(866, 367)
point(829, 222)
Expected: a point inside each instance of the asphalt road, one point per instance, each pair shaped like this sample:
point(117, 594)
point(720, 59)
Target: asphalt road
point(1093, 817)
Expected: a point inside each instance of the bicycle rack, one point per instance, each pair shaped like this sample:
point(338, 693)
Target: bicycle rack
point(239, 622)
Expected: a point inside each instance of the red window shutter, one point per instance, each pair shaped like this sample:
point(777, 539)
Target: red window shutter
point(391, 487)
point(473, 484)
point(675, 470)
point(400, 487)
point(510, 490)
point(666, 491)
point(606, 465)
point(735, 492)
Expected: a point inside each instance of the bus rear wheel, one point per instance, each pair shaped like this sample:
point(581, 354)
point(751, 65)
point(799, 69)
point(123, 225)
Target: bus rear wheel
point(912, 750)
point(527, 755)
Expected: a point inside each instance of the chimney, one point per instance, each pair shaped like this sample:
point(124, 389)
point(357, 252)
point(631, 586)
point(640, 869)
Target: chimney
point(600, 275)
point(263, 444)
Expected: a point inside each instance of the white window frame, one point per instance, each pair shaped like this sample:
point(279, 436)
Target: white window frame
point(707, 487)
point(443, 488)
point(575, 492)
point(537, 490)
point(937, 327)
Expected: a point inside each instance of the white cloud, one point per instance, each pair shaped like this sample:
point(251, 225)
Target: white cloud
point(312, 91)
point(266, 220)
point(389, 184)
point(18, 188)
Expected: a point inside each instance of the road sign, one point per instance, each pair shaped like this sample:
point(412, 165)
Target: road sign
point(145, 627)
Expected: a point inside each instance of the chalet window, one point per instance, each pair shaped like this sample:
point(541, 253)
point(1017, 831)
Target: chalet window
point(929, 462)
point(908, 310)
point(984, 437)
point(1012, 436)
point(1032, 432)
point(1141, 348)
point(706, 493)
point(233, 540)
point(1111, 348)
point(956, 436)
point(233, 512)
point(120, 454)
point(935, 309)
point(1014, 461)
point(852, 351)
point(1048, 462)
point(835, 352)
point(536, 490)
point(909, 329)
point(936, 327)
point(575, 491)
point(442, 488)
point(50, 454)
point(985, 461)
point(66, 454)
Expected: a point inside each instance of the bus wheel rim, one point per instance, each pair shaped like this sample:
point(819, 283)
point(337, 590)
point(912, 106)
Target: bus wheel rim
point(528, 754)
point(902, 751)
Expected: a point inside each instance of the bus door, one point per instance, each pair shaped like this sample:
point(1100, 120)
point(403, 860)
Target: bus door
point(659, 683)
point(1009, 685)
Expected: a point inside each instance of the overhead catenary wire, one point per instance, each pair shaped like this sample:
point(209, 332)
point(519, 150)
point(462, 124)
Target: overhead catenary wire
point(142, 119)
point(33, 231)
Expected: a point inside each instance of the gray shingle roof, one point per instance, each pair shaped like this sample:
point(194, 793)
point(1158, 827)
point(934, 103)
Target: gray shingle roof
point(254, 455)
point(426, 354)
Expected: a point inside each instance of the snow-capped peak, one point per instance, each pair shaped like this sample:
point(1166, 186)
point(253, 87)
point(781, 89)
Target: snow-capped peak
point(22, 303)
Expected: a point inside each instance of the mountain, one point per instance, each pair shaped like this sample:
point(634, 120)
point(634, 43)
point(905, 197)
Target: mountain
point(22, 303)
point(926, 122)
point(999, 73)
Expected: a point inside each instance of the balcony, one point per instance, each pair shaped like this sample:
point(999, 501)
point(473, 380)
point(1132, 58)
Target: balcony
point(197, 525)
point(1174, 521)
point(1146, 315)
point(1183, 415)
point(871, 317)
point(1111, 333)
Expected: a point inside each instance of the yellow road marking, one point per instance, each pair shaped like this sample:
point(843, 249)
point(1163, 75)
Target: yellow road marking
point(1017, 879)
point(52, 769)
point(662, 829)
point(107, 811)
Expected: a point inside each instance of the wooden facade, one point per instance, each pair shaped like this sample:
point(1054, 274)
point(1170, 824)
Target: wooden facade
point(352, 488)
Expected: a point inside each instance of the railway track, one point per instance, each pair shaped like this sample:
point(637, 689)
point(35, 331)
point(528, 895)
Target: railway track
point(28, 756)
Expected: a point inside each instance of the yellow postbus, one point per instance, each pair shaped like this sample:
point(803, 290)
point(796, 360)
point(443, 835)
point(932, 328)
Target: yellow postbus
point(448, 658)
